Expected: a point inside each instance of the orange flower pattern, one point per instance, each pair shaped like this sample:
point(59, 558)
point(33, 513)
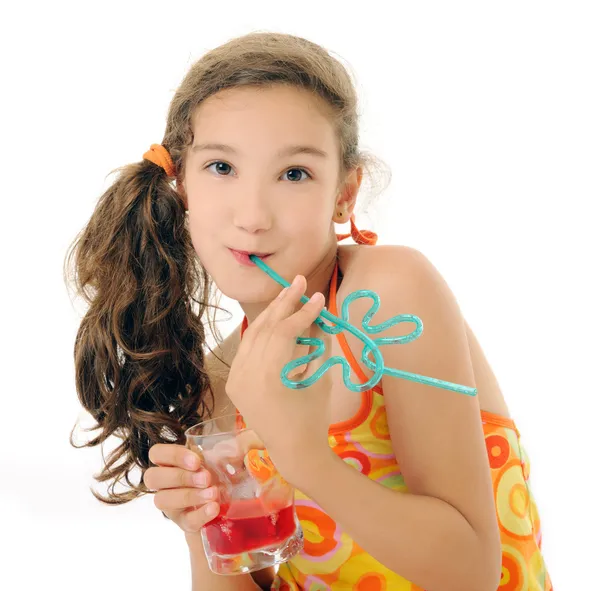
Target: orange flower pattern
point(332, 561)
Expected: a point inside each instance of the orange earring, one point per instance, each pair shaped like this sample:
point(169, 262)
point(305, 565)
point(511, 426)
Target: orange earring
point(359, 236)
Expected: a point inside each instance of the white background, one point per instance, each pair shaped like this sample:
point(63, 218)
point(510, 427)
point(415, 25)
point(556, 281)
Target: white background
point(488, 116)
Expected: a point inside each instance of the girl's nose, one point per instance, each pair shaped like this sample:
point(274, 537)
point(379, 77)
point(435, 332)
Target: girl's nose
point(251, 212)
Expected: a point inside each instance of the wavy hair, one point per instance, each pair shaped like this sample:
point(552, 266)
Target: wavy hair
point(140, 348)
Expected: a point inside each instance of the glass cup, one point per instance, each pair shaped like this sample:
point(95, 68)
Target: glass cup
point(257, 525)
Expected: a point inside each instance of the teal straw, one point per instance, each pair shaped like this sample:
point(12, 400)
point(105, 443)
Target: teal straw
point(370, 345)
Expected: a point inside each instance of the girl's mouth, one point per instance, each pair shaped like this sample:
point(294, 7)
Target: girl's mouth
point(243, 257)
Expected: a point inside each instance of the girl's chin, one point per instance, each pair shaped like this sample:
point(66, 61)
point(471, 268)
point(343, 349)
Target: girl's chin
point(252, 292)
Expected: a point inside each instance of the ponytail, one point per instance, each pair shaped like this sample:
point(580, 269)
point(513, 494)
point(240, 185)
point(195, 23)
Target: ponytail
point(139, 351)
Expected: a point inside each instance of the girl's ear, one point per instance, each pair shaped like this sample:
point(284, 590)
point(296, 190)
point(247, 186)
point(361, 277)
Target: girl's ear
point(346, 200)
point(182, 193)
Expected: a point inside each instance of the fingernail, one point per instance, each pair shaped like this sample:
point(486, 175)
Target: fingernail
point(212, 509)
point(318, 296)
point(191, 461)
point(200, 479)
point(208, 493)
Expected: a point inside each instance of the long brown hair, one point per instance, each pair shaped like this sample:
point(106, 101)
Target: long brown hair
point(140, 348)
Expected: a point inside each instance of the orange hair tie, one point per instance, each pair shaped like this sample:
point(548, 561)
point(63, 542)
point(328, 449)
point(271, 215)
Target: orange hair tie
point(160, 156)
point(359, 236)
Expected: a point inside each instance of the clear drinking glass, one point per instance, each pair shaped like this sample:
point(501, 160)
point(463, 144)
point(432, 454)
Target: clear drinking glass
point(257, 525)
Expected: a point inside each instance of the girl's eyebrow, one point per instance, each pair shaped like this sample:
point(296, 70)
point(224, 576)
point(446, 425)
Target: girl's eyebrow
point(289, 151)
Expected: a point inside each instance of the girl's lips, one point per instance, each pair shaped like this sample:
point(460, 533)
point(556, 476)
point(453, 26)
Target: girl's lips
point(244, 258)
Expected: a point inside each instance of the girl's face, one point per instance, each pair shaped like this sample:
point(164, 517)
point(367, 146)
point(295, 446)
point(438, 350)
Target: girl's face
point(262, 176)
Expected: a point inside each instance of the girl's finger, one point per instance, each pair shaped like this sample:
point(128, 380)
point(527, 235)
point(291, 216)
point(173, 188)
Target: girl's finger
point(158, 478)
point(314, 364)
point(284, 306)
point(300, 321)
point(180, 498)
point(172, 454)
point(193, 520)
point(269, 317)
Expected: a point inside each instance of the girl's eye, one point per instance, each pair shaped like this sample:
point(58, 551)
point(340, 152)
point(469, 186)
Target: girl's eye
point(223, 168)
point(297, 176)
point(292, 174)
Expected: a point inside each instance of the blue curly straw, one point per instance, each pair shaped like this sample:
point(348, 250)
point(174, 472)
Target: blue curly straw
point(371, 345)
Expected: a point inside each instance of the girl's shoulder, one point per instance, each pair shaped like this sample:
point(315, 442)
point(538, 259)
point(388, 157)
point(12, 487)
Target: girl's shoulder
point(359, 263)
point(408, 282)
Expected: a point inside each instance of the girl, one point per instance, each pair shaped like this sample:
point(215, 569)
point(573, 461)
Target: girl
point(405, 486)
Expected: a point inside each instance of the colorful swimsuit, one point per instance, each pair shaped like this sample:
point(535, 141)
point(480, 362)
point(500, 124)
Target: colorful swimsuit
point(331, 560)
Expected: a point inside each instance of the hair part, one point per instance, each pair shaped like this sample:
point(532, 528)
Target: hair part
point(140, 348)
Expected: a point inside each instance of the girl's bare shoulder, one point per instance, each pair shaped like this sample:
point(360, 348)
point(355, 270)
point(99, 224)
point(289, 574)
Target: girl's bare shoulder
point(354, 259)
point(370, 266)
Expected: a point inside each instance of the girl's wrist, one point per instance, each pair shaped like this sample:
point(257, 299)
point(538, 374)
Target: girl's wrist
point(194, 542)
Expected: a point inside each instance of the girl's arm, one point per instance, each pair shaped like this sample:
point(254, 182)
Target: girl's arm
point(443, 534)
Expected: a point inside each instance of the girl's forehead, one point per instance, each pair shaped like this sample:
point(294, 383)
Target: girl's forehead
point(278, 105)
point(267, 124)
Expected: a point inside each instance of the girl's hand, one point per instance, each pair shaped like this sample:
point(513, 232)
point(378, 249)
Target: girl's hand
point(292, 423)
point(184, 492)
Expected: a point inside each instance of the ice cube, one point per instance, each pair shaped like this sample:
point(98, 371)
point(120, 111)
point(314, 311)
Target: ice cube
point(245, 490)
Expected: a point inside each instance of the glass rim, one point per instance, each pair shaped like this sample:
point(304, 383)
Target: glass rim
point(234, 429)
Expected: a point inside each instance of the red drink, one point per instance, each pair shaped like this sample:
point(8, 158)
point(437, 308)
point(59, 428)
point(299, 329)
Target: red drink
point(257, 525)
point(245, 525)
